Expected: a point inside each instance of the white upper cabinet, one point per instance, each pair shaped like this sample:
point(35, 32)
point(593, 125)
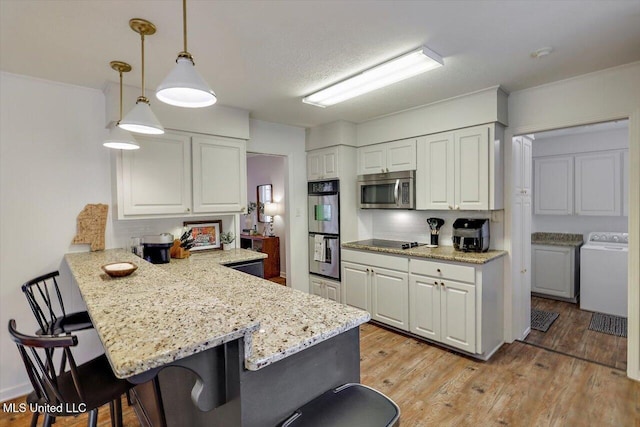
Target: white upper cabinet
point(322, 164)
point(459, 170)
point(598, 183)
point(176, 174)
point(581, 184)
point(553, 185)
point(387, 157)
point(472, 168)
point(522, 161)
point(219, 174)
point(156, 179)
point(435, 174)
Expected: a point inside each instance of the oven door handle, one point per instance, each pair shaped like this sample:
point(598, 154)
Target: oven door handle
point(396, 192)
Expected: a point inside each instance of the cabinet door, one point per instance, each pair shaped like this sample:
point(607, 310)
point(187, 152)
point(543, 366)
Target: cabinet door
point(315, 166)
point(332, 290)
point(355, 283)
point(322, 164)
point(156, 180)
point(458, 319)
point(390, 297)
point(435, 172)
point(219, 175)
point(553, 178)
point(401, 155)
point(522, 162)
point(372, 159)
point(424, 306)
point(598, 182)
point(316, 286)
point(552, 270)
point(472, 168)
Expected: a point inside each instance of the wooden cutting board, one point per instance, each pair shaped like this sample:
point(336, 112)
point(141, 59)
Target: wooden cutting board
point(92, 222)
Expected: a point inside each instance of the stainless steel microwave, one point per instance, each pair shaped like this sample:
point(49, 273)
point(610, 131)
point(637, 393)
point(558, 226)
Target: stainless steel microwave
point(394, 190)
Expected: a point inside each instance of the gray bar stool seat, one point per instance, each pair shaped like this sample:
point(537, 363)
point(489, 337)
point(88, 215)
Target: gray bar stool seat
point(350, 405)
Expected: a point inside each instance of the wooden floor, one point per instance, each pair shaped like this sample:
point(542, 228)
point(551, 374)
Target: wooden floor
point(521, 385)
point(279, 280)
point(570, 334)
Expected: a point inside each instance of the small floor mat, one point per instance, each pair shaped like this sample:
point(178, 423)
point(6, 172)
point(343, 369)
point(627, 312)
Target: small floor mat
point(609, 324)
point(542, 320)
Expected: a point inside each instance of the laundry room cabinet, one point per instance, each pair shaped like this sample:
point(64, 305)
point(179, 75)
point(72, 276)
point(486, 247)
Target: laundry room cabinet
point(554, 271)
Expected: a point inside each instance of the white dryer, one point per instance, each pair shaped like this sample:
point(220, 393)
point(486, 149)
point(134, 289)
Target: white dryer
point(604, 272)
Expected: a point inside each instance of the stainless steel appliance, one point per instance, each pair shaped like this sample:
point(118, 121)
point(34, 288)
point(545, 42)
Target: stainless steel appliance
point(324, 228)
point(394, 190)
point(471, 234)
point(156, 248)
point(324, 207)
point(324, 257)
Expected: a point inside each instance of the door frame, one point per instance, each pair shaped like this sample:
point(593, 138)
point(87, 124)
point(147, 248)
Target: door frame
point(515, 299)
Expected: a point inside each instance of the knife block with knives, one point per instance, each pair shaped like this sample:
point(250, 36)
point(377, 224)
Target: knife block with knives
point(179, 252)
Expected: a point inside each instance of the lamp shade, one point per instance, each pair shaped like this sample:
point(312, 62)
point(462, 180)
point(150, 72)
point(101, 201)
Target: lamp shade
point(141, 119)
point(271, 209)
point(120, 139)
point(184, 87)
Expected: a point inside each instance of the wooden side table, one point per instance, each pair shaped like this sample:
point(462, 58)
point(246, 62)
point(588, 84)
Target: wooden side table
point(266, 245)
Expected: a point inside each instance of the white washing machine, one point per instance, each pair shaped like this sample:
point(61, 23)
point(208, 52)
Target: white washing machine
point(604, 272)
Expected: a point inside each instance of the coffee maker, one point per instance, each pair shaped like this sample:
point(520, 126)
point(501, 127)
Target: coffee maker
point(471, 234)
point(156, 248)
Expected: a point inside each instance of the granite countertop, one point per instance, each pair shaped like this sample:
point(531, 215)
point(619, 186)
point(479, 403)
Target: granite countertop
point(557, 239)
point(166, 312)
point(444, 253)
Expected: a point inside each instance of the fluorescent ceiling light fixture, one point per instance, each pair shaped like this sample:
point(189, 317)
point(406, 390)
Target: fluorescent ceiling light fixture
point(408, 65)
point(184, 86)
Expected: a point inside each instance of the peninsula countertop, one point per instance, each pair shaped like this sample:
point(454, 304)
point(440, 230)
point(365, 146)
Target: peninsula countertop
point(165, 312)
point(443, 253)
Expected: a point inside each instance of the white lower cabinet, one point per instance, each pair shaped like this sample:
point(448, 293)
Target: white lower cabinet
point(554, 271)
point(378, 284)
point(459, 305)
point(325, 288)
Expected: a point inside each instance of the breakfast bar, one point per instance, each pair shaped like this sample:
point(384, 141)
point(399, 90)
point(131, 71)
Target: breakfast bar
point(225, 347)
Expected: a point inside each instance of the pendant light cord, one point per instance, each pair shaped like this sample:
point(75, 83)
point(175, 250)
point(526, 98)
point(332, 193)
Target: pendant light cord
point(184, 23)
point(120, 72)
point(142, 38)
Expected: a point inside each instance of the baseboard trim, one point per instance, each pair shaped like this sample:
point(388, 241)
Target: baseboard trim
point(10, 393)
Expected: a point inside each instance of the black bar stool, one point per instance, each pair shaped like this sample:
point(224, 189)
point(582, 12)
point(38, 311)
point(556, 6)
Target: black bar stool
point(350, 405)
point(60, 393)
point(40, 293)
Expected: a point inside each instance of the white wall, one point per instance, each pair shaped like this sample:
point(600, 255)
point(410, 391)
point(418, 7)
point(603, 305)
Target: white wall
point(269, 169)
point(597, 97)
point(576, 144)
point(289, 141)
point(52, 164)
point(412, 226)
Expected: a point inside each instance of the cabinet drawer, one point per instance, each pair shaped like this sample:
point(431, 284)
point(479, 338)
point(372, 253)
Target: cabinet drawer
point(377, 260)
point(461, 273)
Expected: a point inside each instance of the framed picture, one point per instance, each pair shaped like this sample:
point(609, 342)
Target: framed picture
point(206, 234)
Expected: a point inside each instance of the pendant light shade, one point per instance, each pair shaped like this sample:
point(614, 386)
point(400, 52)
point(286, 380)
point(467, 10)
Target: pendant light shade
point(120, 139)
point(184, 87)
point(141, 119)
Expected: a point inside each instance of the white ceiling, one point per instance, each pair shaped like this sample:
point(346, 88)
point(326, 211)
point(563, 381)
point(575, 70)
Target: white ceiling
point(264, 56)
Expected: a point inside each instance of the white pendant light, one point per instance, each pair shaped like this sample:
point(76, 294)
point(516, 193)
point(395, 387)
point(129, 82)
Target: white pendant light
point(408, 65)
point(141, 119)
point(120, 139)
point(184, 86)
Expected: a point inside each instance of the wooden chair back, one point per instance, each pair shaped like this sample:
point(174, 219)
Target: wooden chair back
point(42, 293)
